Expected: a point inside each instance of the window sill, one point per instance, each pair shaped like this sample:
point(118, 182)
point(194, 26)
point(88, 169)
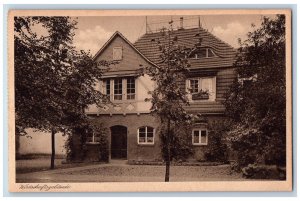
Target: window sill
point(203, 58)
point(146, 145)
point(198, 145)
point(123, 101)
point(92, 143)
point(200, 101)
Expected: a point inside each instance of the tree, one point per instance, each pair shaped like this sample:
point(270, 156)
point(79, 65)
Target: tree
point(54, 83)
point(168, 98)
point(256, 101)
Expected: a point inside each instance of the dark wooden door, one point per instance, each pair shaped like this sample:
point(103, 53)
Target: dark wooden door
point(118, 142)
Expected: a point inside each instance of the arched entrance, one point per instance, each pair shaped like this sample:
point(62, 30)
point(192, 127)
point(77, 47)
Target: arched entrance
point(118, 145)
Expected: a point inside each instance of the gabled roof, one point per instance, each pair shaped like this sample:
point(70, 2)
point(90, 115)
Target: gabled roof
point(187, 37)
point(116, 34)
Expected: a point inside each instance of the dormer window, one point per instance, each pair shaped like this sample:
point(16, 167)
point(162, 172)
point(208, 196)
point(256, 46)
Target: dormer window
point(117, 53)
point(210, 53)
point(202, 53)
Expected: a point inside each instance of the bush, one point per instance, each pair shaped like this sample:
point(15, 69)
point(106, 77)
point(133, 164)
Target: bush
point(253, 146)
point(254, 171)
point(180, 142)
point(258, 107)
point(217, 150)
point(102, 133)
point(78, 151)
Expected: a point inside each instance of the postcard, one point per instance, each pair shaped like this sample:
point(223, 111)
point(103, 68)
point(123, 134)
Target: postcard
point(150, 100)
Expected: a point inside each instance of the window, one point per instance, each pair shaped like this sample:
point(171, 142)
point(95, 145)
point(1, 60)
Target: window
point(200, 137)
point(117, 53)
point(210, 53)
point(194, 86)
point(146, 135)
point(202, 53)
point(130, 88)
point(93, 138)
point(118, 89)
point(203, 88)
point(107, 86)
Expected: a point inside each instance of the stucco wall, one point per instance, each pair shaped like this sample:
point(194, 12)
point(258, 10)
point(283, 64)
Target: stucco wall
point(40, 143)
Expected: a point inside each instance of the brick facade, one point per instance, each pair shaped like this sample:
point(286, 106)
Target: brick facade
point(132, 122)
point(136, 151)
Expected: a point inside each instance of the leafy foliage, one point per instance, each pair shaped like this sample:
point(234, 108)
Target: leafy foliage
point(218, 150)
point(180, 143)
point(257, 100)
point(254, 171)
point(80, 135)
point(54, 82)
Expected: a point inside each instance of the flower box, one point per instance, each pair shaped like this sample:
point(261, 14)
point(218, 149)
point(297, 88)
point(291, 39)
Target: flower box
point(200, 96)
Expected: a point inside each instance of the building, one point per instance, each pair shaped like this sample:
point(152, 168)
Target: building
point(132, 129)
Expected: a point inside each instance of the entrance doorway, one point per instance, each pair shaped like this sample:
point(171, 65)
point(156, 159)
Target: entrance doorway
point(118, 142)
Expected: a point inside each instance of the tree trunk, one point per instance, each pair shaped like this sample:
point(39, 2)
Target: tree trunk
point(52, 148)
point(167, 175)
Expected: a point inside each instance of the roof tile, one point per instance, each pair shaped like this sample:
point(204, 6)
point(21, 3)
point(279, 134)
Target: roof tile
point(186, 37)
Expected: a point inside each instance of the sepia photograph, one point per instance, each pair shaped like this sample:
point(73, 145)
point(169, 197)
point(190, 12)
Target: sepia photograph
point(185, 100)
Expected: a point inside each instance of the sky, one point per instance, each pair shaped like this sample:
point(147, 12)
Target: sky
point(93, 32)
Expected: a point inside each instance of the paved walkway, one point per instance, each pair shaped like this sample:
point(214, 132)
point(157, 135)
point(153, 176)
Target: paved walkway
point(119, 171)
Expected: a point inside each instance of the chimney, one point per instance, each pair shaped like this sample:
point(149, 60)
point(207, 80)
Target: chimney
point(181, 23)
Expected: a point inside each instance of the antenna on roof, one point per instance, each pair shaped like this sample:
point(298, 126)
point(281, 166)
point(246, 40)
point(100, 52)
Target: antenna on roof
point(148, 30)
point(146, 25)
point(171, 23)
point(199, 22)
point(181, 23)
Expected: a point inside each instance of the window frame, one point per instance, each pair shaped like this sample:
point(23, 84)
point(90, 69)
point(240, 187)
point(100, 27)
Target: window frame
point(197, 54)
point(106, 87)
point(110, 82)
point(189, 88)
point(121, 88)
point(134, 84)
point(146, 133)
point(212, 51)
point(199, 143)
point(93, 139)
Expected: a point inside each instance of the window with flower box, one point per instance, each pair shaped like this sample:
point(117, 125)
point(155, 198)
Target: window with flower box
point(201, 88)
